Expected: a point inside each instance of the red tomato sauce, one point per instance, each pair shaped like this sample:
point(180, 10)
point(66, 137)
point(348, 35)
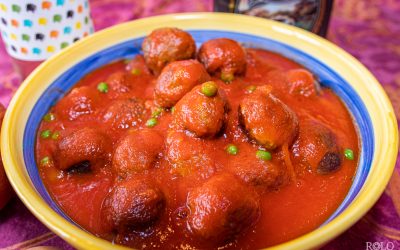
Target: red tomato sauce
point(287, 212)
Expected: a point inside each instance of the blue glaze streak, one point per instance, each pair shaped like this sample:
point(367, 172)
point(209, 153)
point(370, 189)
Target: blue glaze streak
point(327, 77)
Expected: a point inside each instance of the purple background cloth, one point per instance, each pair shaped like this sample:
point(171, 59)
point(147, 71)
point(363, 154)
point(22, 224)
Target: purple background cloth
point(369, 30)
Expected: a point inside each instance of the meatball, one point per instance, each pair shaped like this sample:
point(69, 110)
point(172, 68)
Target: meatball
point(176, 79)
point(120, 82)
point(133, 203)
point(188, 156)
point(267, 175)
point(85, 148)
point(137, 152)
point(223, 56)
point(222, 208)
point(125, 113)
point(137, 66)
point(267, 120)
point(316, 148)
point(5, 188)
point(167, 45)
point(201, 114)
point(301, 82)
point(79, 102)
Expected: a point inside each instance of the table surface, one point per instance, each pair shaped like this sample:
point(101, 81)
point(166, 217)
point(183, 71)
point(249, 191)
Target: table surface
point(369, 30)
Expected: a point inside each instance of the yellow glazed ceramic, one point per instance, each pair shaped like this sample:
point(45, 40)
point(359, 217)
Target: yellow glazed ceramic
point(359, 90)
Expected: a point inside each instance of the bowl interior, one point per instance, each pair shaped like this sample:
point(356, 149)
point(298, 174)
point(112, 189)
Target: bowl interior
point(130, 48)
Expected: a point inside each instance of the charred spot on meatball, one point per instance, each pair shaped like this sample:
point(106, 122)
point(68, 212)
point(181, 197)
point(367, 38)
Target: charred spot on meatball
point(167, 45)
point(137, 152)
point(222, 208)
point(201, 114)
point(176, 79)
point(267, 120)
point(133, 203)
point(82, 167)
point(330, 163)
point(223, 57)
point(84, 146)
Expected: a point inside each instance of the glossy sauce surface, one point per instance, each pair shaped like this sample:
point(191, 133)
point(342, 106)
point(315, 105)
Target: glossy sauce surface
point(288, 211)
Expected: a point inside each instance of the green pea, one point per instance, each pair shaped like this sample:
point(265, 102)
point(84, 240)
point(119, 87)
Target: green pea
point(55, 135)
point(102, 87)
point(156, 112)
point(136, 72)
point(250, 89)
point(49, 117)
point(151, 122)
point(232, 149)
point(263, 155)
point(172, 110)
point(45, 161)
point(45, 134)
point(209, 89)
point(349, 154)
point(227, 77)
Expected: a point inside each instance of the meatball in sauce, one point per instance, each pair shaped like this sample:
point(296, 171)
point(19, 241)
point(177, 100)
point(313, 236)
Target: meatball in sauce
point(223, 57)
point(222, 208)
point(133, 203)
point(167, 45)
point(125, 113)
point(201, 114)
point(86, 147)
point(137, 152)
point(79, 103)
point(316, 148)
point(267, 120)
point(176, 79)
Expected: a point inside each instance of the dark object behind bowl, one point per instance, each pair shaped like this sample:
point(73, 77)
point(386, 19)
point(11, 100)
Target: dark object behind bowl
point(312, 15)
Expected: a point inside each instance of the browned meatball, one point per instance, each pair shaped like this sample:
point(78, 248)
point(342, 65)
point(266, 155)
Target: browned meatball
point(267, 175)
point(137, 152)
point(203, 115)
point(126, 113)
point(302, 82)
point(166, 45)
point(188, 156)
point(83, 148)
point(268, 120)
point(137, 66)
point(222, 208)
point(133, 203)
point(79, 102)
point(223, 56)
point(120, 82)
point(176, 79)
point(316, 148)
